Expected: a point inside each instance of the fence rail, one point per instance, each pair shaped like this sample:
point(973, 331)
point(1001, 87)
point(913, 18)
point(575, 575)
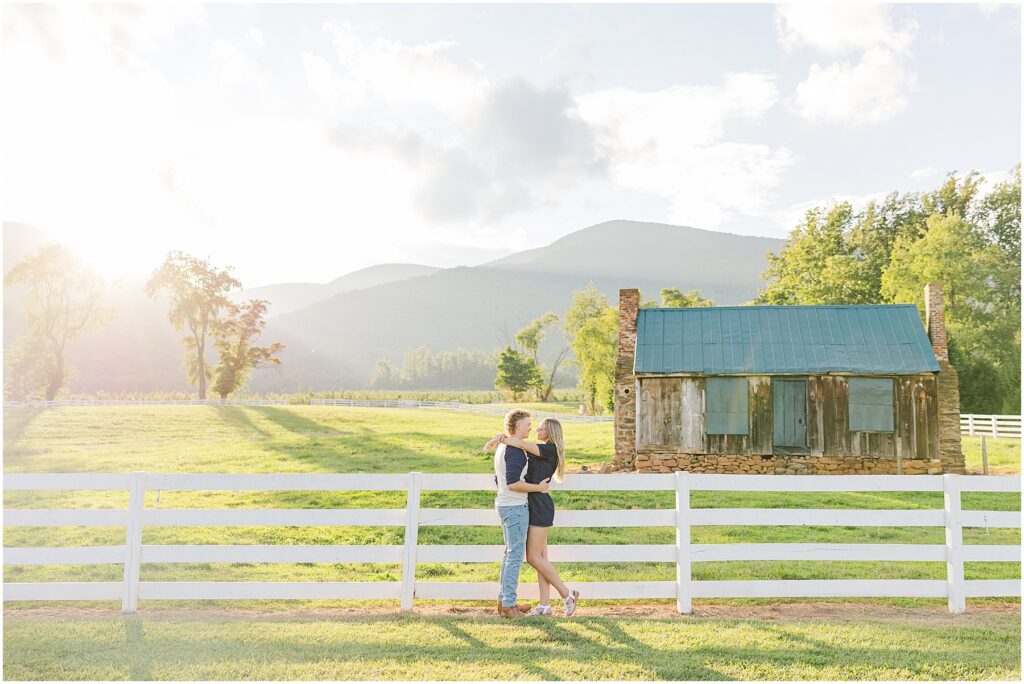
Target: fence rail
point(488, 409)
point(990, 425)
point(682, 517)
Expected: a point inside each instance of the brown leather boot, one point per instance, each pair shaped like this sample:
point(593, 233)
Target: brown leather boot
point(509, 612)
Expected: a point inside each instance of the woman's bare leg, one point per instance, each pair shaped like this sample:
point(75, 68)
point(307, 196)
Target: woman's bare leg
point(536, 556)
point(537, 545)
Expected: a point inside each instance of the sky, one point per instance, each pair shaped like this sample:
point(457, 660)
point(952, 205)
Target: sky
point(298, 143)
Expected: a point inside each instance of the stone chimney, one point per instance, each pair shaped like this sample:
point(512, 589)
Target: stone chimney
point(625, 381)
point(951, 457)
point(935, 317)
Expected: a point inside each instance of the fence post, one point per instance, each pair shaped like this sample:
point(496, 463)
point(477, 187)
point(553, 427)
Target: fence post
point(133, 543)
point(412, 517)
point(954, 544)
point(684, 590)
point(984, 456)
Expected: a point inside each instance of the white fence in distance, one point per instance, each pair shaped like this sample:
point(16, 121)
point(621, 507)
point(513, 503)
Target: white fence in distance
point(990, 425)
point(683, 553)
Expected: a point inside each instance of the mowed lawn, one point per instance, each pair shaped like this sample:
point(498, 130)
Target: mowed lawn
point(66, 641)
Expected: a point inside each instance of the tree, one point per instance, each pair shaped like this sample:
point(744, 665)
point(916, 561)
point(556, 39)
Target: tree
point(591, 327)
point(198, 294)
point(517, 373)
point(817, 266)
point(66, 300)
point(530, 338)
point(673, 297)
point(234, 339)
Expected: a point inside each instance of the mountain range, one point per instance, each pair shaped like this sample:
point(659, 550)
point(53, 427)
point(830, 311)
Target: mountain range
point(335, 332)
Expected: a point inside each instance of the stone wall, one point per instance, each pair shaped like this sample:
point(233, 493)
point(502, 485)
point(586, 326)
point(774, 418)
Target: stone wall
point(665, 460)
point(625, 380)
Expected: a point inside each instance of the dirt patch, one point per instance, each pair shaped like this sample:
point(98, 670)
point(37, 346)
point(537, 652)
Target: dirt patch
point(796, 611)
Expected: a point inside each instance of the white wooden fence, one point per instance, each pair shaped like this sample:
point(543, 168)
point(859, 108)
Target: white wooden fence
point(990, 425)
point(683, 553)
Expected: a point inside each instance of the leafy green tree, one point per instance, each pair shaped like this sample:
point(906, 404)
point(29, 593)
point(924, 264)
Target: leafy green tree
point(973, 273)
point(198, 295)
point(234, 338)
point(817, 266)
point(517, 373)
point(673, 297)
point(65, 300)
point(530, 338)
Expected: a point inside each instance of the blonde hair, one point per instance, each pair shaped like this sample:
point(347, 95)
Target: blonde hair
point(512, 418)
point(554, 430)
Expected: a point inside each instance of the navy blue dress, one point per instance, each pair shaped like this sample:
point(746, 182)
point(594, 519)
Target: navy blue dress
point(538, 469)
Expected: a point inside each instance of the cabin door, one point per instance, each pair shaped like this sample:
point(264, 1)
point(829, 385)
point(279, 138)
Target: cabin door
point(789, 411)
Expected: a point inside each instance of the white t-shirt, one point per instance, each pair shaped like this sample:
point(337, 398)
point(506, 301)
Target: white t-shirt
point(509, 467)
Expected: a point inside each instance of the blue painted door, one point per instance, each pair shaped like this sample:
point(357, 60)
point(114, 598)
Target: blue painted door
point(789, 411)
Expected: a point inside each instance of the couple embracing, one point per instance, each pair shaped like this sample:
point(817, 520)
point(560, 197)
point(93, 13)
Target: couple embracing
point(523, 472)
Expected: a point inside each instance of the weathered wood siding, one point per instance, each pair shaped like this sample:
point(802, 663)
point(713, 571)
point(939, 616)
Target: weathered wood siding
point(671, 414)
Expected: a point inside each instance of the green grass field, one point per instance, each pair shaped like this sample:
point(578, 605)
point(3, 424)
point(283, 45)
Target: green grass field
point(39, 636)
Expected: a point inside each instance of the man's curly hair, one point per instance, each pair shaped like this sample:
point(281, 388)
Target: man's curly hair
point(512, 418)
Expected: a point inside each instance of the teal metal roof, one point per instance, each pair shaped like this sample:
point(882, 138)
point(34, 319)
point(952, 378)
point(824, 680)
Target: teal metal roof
point(872, 339)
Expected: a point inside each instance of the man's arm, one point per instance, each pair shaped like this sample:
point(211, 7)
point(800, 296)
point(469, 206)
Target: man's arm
point(523, 486)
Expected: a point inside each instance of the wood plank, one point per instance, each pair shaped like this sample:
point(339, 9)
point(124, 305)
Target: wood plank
point(269, 590)
point(483, 591)
point(63, 591)
point(691, 398)
point(818, 588)
point(822, 552)
point(828, 517)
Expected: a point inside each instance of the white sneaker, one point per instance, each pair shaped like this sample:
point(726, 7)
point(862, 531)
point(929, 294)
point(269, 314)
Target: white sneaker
point(539, 610)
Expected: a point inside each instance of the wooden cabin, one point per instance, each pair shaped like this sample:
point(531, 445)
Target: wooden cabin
point(786, 389)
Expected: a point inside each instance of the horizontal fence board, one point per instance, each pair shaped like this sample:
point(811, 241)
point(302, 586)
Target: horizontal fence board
point(816, 516)
point(276, 481)
point(990, 518)
point(562, 553)
point(991, 552)
point(818, 552)
point(818, 588)
point(53, 517)
point(563, 518)
point(62, 591)
point(990, 483)
point(815, 483)
point(573, 482)
point(588, 590)
point(66, 481)
point(259, 553)
point(73, 555)
point(269, 590)
point(275, 517)
point(1003, 587)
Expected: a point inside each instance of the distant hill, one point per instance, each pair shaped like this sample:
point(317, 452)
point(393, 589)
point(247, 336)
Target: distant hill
point(287, 297)
point(334, 341)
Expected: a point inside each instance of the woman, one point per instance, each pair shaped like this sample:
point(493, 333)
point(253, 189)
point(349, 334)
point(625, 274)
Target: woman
point(546, 460)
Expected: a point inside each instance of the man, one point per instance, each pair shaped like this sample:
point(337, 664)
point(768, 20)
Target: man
point(511, 503)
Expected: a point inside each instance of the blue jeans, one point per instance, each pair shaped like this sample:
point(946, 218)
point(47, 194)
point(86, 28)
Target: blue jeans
point(515, 521)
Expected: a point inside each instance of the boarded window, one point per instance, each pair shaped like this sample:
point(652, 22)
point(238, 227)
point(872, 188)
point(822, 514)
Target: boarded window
point(870, 404)
point(726, 408)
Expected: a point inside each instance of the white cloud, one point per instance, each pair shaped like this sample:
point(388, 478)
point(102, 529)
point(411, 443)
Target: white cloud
point(671, 143)
point(840, 28)
point(235, 67)
point(925, 172)
point(255, 36)
point(391, 71)
point(872, 88)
